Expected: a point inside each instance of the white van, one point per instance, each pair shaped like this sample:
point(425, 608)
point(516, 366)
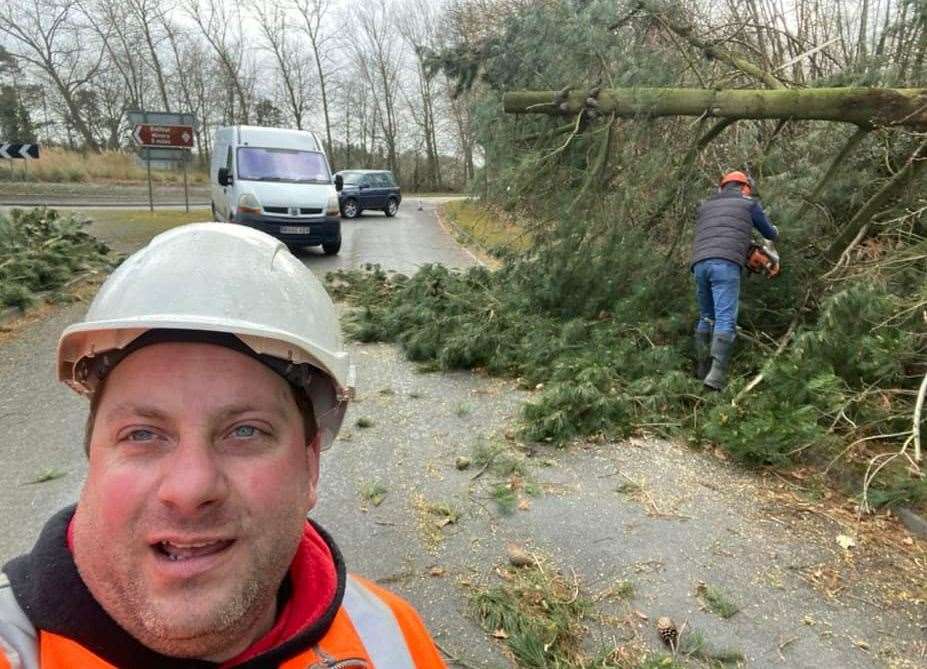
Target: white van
point(278, 181)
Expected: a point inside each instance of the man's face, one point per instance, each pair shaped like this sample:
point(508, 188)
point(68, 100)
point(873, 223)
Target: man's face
point(197, 490)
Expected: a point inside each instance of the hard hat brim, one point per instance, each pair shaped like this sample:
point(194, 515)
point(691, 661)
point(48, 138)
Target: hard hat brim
point(83, 340)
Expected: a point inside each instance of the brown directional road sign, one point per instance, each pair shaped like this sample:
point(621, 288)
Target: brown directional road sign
point(176, 136)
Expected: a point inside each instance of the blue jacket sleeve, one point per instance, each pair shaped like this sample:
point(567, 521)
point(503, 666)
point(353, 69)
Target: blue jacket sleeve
point(761, 223)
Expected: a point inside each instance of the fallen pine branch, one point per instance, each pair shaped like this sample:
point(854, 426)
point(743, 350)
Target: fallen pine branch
point(783, 343)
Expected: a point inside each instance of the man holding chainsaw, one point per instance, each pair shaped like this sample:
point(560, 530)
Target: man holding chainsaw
point(720, 250)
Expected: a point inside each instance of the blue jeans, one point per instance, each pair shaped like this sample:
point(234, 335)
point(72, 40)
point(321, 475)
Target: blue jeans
point(717, 289)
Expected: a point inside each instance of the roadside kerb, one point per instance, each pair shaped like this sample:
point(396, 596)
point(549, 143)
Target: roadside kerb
point(482, 257)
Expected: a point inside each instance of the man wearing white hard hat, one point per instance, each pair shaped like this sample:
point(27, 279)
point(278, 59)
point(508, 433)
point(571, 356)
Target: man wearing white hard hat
point(216, 374)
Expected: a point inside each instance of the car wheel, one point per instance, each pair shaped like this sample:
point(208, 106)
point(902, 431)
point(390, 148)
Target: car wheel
point(349, 209)
point(392, 206)
point(331, 248)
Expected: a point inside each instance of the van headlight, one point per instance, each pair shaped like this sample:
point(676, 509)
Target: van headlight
point(332, 207)
point(248, 203)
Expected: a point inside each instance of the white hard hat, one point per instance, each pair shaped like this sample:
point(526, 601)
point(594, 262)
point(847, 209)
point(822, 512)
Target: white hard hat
point(219, 278)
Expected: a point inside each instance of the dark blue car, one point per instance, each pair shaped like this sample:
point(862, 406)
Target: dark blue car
point(368, 189)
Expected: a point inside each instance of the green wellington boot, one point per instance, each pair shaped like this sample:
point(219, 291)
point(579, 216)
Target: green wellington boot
point(702, 354)
point(722, 345)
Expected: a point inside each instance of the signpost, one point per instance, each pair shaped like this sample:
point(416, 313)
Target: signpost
point(25, 152)
point(163, 136)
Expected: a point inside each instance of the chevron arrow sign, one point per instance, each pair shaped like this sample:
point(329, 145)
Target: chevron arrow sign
point(19, 150)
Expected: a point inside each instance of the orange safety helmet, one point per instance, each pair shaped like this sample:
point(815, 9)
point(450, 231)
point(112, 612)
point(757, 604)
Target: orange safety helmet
point(736, 177)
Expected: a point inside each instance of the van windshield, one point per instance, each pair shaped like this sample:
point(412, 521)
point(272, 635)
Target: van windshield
point(287, 165)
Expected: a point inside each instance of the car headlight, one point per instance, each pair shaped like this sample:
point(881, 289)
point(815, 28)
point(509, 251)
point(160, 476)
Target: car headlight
point(248, 203)
point(332, 208)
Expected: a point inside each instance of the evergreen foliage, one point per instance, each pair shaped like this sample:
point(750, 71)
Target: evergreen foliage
point(600, 309)
point(40, 251)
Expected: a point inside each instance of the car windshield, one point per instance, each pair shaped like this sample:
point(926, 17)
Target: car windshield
point(351, 177)
point(289, 165)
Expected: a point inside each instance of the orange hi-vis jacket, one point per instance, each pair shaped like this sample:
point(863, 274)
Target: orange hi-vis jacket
point(49, 620)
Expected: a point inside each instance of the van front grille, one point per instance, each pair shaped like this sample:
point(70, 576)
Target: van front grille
point(293, 211)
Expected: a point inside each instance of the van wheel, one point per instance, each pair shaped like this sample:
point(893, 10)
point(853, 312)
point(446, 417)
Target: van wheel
point(349, 208)
point(331, 248)
point(392, 206)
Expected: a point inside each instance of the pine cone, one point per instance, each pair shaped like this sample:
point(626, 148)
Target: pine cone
point(666, 628)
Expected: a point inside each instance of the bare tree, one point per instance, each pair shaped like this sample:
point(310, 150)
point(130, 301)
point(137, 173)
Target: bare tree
point(291, 64)
point(221, 27)
point(191, 73)
point(377, 57)
point(48, 35)
point(147, 15)
point(113, 25)
point(463, 124)
point(313, 13)
point(418, 26)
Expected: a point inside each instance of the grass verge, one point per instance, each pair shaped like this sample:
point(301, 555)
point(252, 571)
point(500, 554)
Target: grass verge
point(125, 230)
point(488, 229)
point(58, 165)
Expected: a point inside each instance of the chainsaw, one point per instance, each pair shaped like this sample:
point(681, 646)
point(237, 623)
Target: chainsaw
point(763, 257)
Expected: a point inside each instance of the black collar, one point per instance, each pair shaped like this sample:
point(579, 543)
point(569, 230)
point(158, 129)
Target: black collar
point(53, 596)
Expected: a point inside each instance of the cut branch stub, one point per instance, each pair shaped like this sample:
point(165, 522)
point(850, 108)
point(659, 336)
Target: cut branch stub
point(865, 107)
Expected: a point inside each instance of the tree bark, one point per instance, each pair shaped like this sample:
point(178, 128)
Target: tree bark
point(865, 107)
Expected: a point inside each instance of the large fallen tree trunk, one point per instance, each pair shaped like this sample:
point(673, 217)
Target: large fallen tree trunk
point(865, 107)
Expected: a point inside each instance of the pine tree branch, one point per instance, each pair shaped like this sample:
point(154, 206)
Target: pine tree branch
point(579, 119)
point(834, 167)
point(683, 172)
point(686, 32)
point(783, 343)
point(878, 201)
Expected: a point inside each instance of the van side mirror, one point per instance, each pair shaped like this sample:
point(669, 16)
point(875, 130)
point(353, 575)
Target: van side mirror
point(339, 182)
point(225, 179)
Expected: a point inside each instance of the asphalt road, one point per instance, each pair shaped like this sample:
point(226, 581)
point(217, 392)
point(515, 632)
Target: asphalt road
point(689, 517)
point(403, 243)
